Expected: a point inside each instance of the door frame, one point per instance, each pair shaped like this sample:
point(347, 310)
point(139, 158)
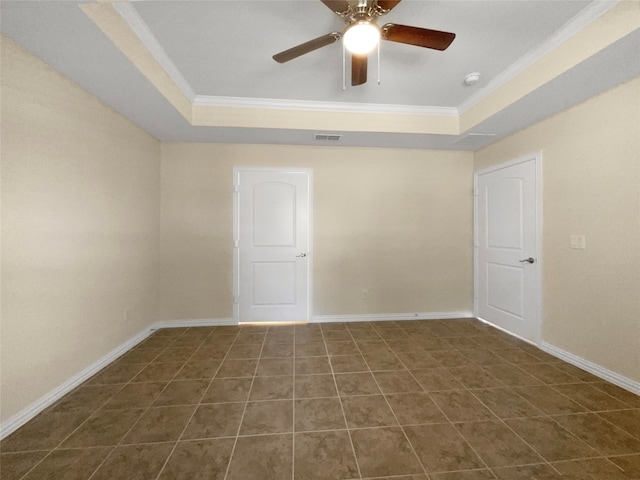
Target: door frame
point(237, 170)
point(537, 159)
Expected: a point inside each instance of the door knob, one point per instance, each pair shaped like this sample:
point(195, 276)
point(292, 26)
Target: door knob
point(527, 260)
point(301, 255)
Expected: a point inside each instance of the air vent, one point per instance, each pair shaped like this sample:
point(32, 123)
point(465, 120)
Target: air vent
point(327, 137)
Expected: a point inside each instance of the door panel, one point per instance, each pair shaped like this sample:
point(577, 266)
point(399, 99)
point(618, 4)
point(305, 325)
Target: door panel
point(505, 289)
point(274, 215)
point(506, 237)
point(273, 246)
point(504, 213)
point(274, 283)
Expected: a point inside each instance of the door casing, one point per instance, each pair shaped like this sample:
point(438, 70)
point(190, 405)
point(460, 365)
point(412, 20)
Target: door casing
point(537, 159)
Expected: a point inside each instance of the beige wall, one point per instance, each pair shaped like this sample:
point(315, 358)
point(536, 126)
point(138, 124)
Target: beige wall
point(591, 186)
point(80, 227)
point(396, 222)
point(95, 211)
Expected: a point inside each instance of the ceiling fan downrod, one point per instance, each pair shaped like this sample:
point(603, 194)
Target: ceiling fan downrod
point(360, 22)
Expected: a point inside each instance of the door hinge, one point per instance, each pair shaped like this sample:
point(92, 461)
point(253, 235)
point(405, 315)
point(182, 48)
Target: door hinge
point(236, 188)
point(236, 244)
point(236, 299)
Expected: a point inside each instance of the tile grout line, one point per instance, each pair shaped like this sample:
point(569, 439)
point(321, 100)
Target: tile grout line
point(576, 400)
point(551, 417)
point(437, 406)
point(492, 469)
point(547, 462)
point(246, 404)
point(505, 385)
point(546, 415)
point(113, 447)
point(393, 342)
point(344, 416)
point(164, 465)
point(469, 390)
point(92, 413)
point(424, 470)
point(176, 442)
point(637, 437)
point(293, 410)
point(443, 412)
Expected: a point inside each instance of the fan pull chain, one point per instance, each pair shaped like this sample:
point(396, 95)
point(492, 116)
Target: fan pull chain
point(378, 63)
point(344, 68)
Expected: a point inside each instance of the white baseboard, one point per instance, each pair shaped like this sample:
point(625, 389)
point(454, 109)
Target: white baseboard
point(381, 317)
point(497, 327)
point(57, 393)
point(591, 367)
point(199, 322)
point(597, 370)
point(60, 391)
point(49, 399)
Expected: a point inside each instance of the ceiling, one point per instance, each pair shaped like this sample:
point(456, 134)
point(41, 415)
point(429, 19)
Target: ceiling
point(202, 70)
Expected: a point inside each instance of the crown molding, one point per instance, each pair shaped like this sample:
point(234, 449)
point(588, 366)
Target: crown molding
point(129, 14)
point(142, 30)
point(315, 106)
point(587, 16)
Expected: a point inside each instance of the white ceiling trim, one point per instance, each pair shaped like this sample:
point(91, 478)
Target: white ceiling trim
point(144, 33)
point(308, 105)
point(569, 29)
point(141, 29)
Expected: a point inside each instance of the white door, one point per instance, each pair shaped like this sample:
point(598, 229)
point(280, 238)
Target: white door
point(272, 240)
point(507, 248)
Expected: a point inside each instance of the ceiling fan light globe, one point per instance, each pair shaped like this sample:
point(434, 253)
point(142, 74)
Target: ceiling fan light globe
point(361, 37)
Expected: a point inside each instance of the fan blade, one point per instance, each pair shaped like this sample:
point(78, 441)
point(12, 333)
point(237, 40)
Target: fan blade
point(358, 69)
point(387, 5)
point(307, 47)
point(337, 6)
point(420, 37)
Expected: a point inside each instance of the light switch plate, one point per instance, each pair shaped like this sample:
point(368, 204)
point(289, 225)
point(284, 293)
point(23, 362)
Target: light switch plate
point(578, 242)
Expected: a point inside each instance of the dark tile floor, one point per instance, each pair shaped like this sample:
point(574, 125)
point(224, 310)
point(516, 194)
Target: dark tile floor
point(438, 400)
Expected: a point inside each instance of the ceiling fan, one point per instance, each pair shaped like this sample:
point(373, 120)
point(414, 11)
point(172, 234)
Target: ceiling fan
point(361, 34)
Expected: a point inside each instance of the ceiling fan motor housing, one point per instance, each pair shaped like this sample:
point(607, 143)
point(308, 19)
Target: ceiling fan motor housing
point(363, 17)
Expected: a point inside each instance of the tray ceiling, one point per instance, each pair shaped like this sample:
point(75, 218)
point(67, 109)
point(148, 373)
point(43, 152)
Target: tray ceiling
point(202, 71)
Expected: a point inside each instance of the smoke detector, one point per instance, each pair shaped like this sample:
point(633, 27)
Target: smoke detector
point(471, 78)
